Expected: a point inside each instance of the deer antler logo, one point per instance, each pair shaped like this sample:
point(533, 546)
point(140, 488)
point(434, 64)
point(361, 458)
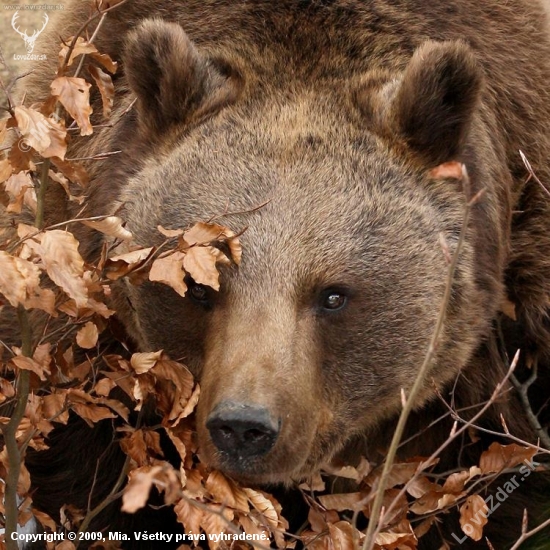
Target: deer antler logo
point(29, 40)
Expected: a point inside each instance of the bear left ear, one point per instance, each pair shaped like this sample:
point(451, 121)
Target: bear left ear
point(172, 80)
point(436, 100)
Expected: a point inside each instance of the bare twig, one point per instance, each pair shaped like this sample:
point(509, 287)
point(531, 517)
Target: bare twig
point(528, 534)
point(523, 389)
point(15, 458)
point(375, 522)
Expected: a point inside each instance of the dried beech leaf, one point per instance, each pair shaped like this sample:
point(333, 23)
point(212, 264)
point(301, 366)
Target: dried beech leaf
point(64, 264)
point(341, 502)
point(87, 336)
point(214, 521)
point(143, 362)
point(225, 492)
point(74, 94)
point(18, 278)
point(138, 488)
point(200, 263)
point(170, 233)
point(74, 171)
point(20, 187)
point(473, 516)
point(54, 407)
point(264, 506)
point(169, 270)
point(104, 387)
point(189, 516)
point(26, 363)
point(5, 170)
point(106, 88)
point(112, 227)
point(203, 233)
point(47, 137)
point(498, 457)
point(104, 60)
point(81, 47)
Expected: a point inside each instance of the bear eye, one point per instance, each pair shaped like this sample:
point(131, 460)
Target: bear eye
point(333, 300)
point(199, 293)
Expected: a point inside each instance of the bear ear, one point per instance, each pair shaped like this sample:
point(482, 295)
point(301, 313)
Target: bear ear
point(172, 80)
point(436, 100)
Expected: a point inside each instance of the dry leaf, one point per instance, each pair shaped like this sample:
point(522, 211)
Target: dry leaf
point(64, 264)
point(19, 278)
point(225, 492)
point(143, 362)
point(138, 488)
point(189, 516)
point(20, 187)
point(473, 516)
point(200, 263)
point(26, 363)
point(81, 47)
point(43, 134)
point(106, 88)
point(110, 226)
point(87, 336)
point(169, 270)
point(5, 170)
point(74, 94)
point(498, 457)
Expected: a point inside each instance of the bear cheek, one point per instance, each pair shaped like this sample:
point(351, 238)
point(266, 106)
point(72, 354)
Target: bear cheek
point(259, 414)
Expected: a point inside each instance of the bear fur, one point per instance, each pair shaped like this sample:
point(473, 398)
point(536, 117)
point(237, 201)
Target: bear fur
point(333, 114)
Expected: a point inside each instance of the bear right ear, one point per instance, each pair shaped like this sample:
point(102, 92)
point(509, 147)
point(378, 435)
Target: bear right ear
point(430, 108)
point(173, 82)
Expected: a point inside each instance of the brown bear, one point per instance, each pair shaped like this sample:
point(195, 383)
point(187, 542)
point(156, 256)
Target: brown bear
point(332, 114)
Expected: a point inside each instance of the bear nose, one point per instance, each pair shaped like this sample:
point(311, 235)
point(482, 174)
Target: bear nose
point(242, 431)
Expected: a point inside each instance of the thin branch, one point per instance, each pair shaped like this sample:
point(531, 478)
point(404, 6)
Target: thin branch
point(523, 390)
point(15, 458)
point(528, 534)
point(375, 523)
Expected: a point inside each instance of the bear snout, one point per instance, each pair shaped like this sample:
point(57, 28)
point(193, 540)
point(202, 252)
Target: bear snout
point(241, 431)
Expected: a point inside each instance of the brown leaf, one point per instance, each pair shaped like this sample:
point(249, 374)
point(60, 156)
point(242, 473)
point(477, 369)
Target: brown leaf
point(343, 536)
point(143, 362)
point(81, 47)
point(112, 227)
point(58, 177)
point(200, 263)
point(169, 270)
point(91, 413)
point(189, 516)
point(341, 502)
point(264, 506)
point(54, 407)
point(20, 187)
point(104, 387)
point(473, 516)
point(170, 233)
point(134, 446)
point(204, 233)
point(214, 521)
point(26, 363)
point(5, 170)
point(106, 88)
point(64, 264)
point(19, 278)
point(104, 60)
point(225, 492)
point(74, 94)
point(47, 137)
point(87, 336)
point(138, 488)
point(498, 457)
